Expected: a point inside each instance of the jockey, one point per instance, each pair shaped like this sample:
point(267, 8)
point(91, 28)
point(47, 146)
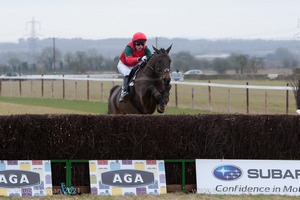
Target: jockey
point(135, 52)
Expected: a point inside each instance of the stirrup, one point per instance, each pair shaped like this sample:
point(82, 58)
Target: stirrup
point(124, 96)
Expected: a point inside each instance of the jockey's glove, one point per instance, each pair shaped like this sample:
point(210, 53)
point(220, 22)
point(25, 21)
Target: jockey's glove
point(144, 58)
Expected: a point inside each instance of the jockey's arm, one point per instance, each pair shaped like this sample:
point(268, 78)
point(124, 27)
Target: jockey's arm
point(148, 53)
point(132, 61)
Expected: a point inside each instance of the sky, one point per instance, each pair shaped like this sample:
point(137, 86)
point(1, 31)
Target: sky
point(190, 19)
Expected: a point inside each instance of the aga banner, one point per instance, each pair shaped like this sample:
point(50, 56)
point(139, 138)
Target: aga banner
point(127, 177)
point(280, 177)
point(23, 178)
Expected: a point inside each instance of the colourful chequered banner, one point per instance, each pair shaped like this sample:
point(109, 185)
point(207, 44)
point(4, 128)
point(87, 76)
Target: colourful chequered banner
point(127, 177)
point(25, 178)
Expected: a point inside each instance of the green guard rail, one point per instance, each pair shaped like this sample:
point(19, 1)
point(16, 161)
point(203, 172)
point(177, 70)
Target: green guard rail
point(182, 170)
point(69, 169)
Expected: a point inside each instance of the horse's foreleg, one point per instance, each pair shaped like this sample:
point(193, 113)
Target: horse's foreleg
point(167, 89)
point(167, 93)
point(159, 97)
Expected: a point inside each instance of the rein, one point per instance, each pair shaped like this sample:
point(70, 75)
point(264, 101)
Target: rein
point(157, 73)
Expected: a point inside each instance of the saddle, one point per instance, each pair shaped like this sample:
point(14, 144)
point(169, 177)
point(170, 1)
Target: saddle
point(132, 76)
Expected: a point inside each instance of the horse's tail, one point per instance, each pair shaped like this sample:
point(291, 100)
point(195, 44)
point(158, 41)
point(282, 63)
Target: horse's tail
point(111, 104)
point(113, 89)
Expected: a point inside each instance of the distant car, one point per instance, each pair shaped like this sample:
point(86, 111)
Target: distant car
point(12, 74)
point(177, 76)
point(193, 72)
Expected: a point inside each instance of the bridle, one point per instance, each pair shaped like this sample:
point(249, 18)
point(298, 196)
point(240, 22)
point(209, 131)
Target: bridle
point(158, 67)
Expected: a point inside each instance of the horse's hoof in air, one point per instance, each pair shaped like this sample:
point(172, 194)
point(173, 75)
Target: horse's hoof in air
point(160, 109)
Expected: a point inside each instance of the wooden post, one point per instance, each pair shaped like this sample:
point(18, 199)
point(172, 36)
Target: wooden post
point(42, 86)
point(20, 87)
point(88, 88)
point(176, 96)
point(31, 87)
point(287, 100)
point(209, 96)
point(75, 90)
point(193, 98)
point(266, 102)
point(0, 87)
point(63, 85)
point(10, 88)
point(229, 101)
point(101, 92)
point(52, 89)
point(247, 98)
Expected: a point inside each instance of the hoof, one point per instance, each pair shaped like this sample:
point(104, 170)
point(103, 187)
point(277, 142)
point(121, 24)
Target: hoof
point(160, 109)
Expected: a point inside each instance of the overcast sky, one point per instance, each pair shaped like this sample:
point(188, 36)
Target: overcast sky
point(191, 19)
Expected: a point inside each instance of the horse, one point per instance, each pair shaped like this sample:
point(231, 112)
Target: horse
point(151, 88)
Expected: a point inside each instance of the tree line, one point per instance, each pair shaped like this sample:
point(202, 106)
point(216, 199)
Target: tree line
point(240, 63)
point(51, 60)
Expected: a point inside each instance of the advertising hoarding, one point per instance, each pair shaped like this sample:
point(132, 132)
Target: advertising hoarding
point(25, 178)
point(280, 177)
point(127, 177)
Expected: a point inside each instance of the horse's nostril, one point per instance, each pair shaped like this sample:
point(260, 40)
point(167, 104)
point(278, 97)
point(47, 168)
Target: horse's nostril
point(166, 70)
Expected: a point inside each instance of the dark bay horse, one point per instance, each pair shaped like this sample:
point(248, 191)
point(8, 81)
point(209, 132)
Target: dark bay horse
point(151, 87)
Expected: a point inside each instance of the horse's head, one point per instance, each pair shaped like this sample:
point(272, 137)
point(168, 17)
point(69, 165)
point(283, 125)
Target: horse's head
point(160, 62)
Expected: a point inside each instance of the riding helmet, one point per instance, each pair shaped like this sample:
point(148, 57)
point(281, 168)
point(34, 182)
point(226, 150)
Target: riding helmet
point(139, 36)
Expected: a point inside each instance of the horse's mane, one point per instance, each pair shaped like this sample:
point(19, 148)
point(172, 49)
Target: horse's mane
point(155, 53)
point(163, 51)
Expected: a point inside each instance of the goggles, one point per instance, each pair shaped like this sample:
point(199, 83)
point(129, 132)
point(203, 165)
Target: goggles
point(139, 44)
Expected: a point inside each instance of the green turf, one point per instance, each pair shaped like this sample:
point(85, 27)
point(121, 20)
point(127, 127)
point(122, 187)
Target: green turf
point(83, 106)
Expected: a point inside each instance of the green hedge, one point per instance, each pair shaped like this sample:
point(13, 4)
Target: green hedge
point(149, 137)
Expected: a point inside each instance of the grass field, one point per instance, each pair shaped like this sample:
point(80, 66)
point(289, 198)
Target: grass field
point(194, 99)
point(22, 105)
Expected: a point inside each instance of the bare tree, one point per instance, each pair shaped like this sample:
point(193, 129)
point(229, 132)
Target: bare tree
point(15, 65)
point(182, 61)
point(242, 61)
point(256, 63)
point(238, 62)
point(46, 58)
point(295, 83)
point(220, 65)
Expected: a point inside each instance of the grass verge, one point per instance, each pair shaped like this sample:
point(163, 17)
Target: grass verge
point(42, 105)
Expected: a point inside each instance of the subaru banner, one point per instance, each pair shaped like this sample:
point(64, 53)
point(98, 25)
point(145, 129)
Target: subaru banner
point(268, 177)
point(127, 177)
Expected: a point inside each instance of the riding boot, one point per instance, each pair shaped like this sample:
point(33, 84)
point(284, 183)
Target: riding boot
point(124, 93)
